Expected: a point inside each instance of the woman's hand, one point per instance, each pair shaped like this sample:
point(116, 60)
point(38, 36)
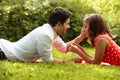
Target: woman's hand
point(73, 48)
point(77, 60)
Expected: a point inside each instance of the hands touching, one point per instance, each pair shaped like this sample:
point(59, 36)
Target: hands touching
point(74, 46)
point(77, 40)
point(84, 32)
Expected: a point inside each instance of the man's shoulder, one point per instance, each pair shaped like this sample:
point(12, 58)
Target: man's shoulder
point(45, 30)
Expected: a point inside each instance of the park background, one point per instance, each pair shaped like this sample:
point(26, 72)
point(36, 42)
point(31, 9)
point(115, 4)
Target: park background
point(19, 17)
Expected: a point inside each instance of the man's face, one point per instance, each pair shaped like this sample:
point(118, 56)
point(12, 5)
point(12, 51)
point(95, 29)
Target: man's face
point(64, 27)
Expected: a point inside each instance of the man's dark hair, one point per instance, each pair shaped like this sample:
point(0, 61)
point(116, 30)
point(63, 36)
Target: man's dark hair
point(59, 14)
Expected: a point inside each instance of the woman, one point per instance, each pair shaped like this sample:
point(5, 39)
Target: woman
point(106, 50)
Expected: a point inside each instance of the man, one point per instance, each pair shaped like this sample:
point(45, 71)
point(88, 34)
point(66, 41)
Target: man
point(38, 43)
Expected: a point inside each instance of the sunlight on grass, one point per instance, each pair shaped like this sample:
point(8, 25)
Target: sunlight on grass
point(70, 54)
point(55, 71)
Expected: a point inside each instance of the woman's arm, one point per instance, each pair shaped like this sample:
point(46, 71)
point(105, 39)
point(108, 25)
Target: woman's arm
point(83, 51)
point(84, 55)
point(100, 47)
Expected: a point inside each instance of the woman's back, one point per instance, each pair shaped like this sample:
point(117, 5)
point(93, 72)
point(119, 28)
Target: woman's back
point(112, 53)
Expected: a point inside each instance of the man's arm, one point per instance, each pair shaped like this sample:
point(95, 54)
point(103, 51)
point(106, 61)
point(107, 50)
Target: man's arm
point(60, 45)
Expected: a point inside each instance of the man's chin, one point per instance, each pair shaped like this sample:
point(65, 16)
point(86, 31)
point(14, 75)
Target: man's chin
point(62, 34)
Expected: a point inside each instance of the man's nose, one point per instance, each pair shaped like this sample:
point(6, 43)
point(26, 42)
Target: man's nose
point(69, 26)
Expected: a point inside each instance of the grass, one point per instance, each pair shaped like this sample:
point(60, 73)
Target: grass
point(56, 71)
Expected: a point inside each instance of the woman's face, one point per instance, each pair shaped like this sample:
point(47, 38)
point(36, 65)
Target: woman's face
point(86, 27)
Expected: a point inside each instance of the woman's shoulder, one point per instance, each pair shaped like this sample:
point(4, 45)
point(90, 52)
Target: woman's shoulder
point(101, 37)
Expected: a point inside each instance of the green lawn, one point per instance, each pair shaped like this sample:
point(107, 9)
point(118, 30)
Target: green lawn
point(56, 71)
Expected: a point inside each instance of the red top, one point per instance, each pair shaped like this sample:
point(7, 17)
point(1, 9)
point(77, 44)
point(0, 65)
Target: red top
point(112, 53)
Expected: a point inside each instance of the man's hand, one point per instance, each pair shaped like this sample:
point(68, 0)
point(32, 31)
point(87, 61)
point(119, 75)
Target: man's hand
point(84, 32)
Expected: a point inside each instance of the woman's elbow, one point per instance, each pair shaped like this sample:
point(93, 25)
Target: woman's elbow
point(96, 62)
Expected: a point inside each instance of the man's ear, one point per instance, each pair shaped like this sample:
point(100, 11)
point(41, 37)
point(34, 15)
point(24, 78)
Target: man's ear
point(58, 23)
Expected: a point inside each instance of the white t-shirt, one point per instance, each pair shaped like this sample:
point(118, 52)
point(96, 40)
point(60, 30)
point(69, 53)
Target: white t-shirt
point(36, 44)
